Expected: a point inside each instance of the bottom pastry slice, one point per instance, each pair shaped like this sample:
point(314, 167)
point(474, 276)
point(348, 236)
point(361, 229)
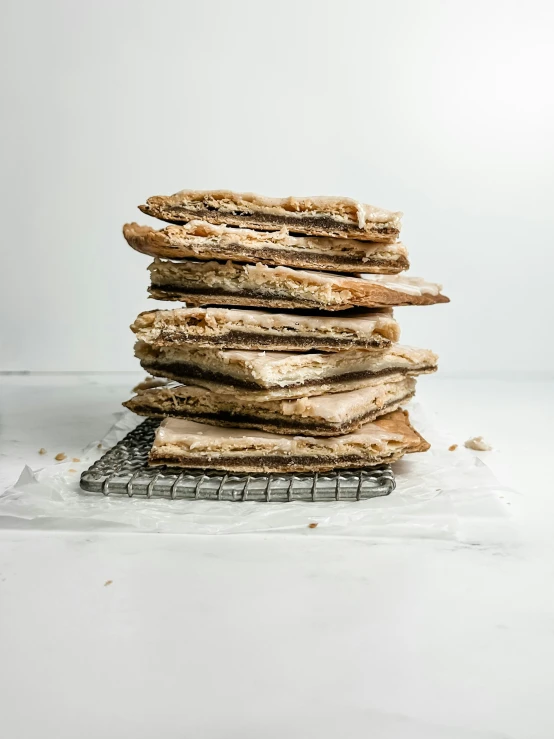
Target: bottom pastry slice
point(191, 445)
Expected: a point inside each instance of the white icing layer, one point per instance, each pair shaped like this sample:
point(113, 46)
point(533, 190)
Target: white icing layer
point(338, 407)
point(404, 284)
point(199, 437)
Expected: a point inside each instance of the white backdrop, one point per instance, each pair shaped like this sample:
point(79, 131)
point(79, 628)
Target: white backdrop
point(442, 109)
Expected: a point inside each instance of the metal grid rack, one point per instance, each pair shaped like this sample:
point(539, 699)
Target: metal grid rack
point(123, 470)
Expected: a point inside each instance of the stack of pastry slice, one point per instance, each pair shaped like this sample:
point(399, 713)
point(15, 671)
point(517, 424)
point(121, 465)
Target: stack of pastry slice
point(283, 354)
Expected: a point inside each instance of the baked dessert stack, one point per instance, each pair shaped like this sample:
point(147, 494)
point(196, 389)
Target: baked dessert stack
point(285, 356)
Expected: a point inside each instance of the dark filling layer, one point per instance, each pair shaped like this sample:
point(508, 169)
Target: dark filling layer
point(180, 214)
point(241, 292)
point(183, 372)
point(211, 295)
point(292, 424)
point(303, 258)
point(273, 462)
point(250, 340)
point(297, 257)
point(200, 296)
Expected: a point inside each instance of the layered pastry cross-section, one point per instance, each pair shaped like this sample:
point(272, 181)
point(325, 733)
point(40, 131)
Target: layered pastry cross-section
point(201, 240)
point(315, 216)
point(276, 375)
point(258, 329)
point(183, 443)
point(231, 283)
point(321, 415)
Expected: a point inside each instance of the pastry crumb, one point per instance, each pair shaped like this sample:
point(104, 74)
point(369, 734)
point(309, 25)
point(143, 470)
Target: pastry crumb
point(108, 582)
point(478, 443)
point(42, 450)
point(75, 459)
point(149, 382)
point(312, 525)
point(60, 457)
point(72, 470)
point(452, 447)
point(99, 446)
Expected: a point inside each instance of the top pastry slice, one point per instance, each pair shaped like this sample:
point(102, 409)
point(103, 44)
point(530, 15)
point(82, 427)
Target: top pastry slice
point(337, 217)
point(202, 240)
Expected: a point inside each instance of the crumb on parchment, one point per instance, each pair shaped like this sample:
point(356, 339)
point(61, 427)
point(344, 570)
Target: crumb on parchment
point(452, 447)
point(42, 450)
point(75, 459)
point(60, 457)
point(312, 525)
point(478, 443)
point(108, 582)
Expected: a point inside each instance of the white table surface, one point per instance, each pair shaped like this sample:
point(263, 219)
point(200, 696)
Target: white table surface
point(278, 636)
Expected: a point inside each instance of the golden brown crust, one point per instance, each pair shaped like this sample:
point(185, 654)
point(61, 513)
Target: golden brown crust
point(147, 240)
point(398, 422)
point(382, 297)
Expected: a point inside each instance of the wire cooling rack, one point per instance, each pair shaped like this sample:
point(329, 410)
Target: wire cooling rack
point(123, 470)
